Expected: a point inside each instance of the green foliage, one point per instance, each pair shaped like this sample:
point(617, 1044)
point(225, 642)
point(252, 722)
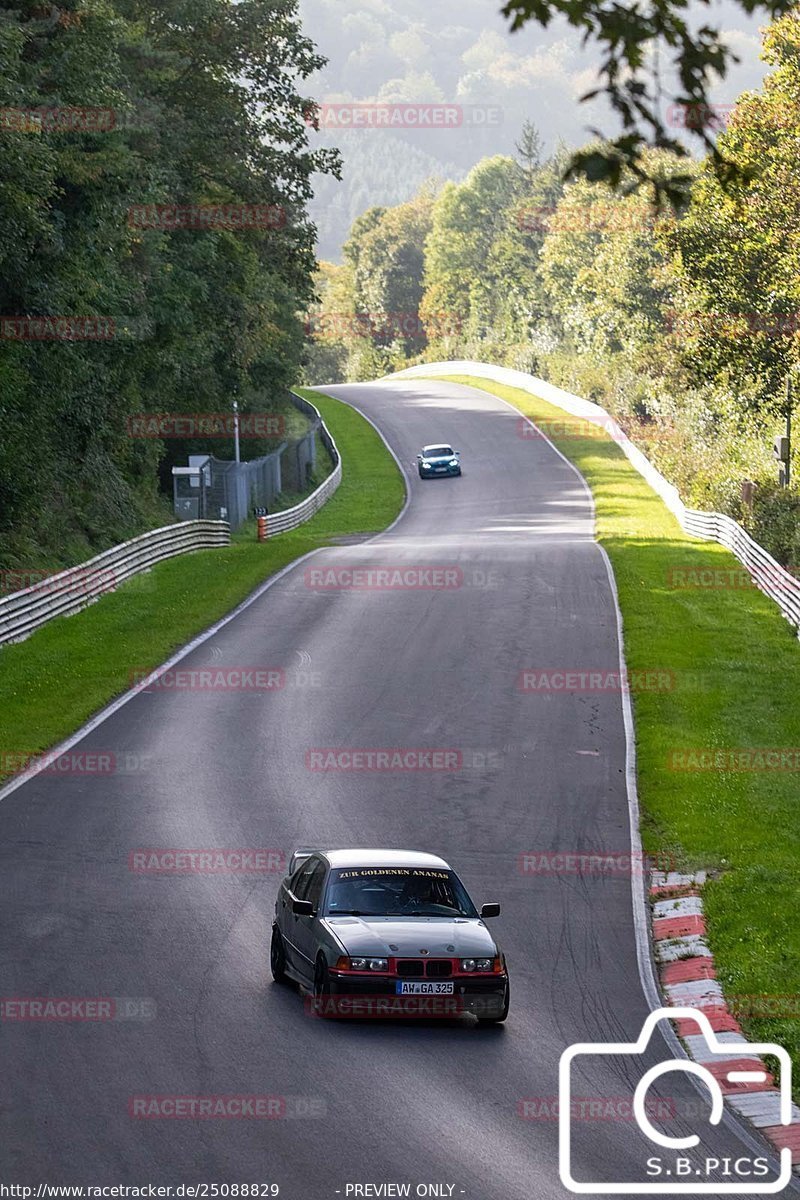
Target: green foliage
point(683, 326)
point(776, 523)
point(207, 112)
point(631, 82)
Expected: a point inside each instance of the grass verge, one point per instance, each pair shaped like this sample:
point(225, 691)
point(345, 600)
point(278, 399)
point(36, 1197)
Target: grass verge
point(66, 671)
point(735, 666)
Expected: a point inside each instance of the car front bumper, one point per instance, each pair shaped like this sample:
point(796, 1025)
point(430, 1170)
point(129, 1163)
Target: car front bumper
point(360, 996)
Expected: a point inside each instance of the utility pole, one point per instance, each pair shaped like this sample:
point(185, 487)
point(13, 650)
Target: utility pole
point(788, 466)
point(782, 448)
point(236, 431)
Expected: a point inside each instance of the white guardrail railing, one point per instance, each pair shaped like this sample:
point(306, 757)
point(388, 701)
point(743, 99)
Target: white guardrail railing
point(290, 518)
point(72, 589)
point(773, 579)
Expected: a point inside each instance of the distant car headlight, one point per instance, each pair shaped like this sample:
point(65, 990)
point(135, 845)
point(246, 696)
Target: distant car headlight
point(368, 964)
point(426, 466)
point(477, 964)
point(453, 462)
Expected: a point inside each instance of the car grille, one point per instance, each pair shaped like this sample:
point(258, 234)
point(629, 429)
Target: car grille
point(434, 968)
point(439, 968)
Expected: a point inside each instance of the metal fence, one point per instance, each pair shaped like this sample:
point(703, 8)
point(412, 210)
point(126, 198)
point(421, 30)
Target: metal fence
point(290, 518)
point(70, 590)
point(226, 490)
point(773, 579)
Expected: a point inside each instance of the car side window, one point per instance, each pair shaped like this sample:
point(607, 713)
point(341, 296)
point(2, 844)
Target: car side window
point(302, 878)
point(314, 892)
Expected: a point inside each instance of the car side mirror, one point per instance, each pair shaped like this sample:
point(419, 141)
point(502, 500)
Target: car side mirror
point(302, 908)
point(419, 456)
point(490, 910)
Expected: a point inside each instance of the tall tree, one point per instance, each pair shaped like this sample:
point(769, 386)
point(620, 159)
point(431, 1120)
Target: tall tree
point(207, 112)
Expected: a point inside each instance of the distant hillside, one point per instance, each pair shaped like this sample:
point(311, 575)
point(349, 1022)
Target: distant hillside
point(458, 52)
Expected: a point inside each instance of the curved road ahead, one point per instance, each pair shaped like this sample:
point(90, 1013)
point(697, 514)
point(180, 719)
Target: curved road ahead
point(367, 1102)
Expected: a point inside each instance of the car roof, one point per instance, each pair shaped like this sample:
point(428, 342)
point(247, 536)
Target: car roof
point(383, 858)
point(436, 445)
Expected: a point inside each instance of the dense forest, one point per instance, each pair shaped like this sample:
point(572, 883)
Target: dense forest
point(112, 114)
point(457, 51)
point(685, 324)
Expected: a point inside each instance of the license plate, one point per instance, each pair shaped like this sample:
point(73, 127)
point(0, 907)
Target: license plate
point(424, 989)
point(440, 468)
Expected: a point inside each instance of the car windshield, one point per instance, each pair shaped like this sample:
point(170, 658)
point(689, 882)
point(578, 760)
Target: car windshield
point(397, 892)
point(438, 452)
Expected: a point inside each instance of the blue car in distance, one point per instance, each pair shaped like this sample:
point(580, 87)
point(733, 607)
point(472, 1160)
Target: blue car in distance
point(438, 460)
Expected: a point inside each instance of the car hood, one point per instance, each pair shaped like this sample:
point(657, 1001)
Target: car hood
point(405, 937)
point(442, 458)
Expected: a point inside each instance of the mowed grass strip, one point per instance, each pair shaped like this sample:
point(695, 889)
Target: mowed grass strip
point(735, 665)
point(66, 671)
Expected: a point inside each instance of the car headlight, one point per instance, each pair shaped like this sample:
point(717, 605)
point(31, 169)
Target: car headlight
point(468, 964)
point(453, 462)
point(369, 964)
point(426, 466)
point(477, 964)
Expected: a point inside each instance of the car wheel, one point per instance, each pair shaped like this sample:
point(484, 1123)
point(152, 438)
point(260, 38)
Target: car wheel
point(422, 475)
point(277, 957)
point(501, 1015)
point(322, 983)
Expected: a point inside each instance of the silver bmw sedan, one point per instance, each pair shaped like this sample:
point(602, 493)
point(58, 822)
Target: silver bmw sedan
point(386, 933)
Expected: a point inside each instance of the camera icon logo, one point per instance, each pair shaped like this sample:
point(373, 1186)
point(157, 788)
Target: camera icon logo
point(728, 1052)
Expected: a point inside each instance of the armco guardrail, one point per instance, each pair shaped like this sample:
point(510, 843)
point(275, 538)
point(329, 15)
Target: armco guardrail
point(773, 579)
point(70, 590)
point(290, 518)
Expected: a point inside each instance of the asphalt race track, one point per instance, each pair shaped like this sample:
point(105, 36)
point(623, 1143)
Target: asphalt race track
point(432, 1102)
